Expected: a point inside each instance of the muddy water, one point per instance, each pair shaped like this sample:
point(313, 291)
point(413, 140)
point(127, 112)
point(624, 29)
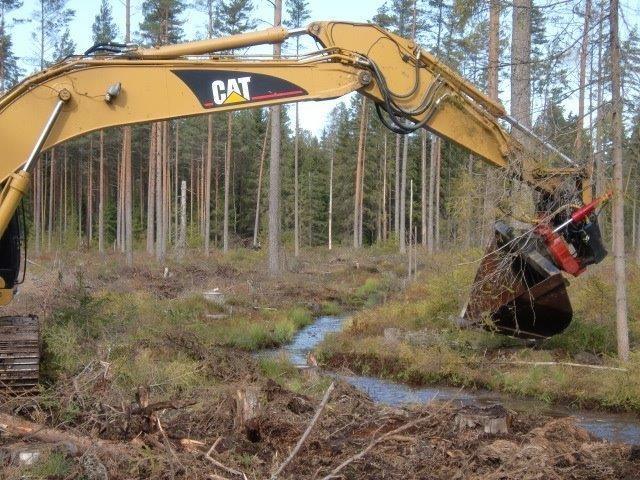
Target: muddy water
point(619, 427)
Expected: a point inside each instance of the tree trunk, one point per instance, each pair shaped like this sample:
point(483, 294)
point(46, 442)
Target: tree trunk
point(296, 204)
point(37, 204)
point(227, 180)
point(494, 48)
point(263, 154)
point(436, 242)
point(182, 243)
point(100, 195)
point(618, 198)
point(331, 159)
point(433, 159)
point(582, 80)
point(52, 169)
point(207, 184)
point(384, 191)
point(358, 182)
point(423, 187)
point(151, 189)
point(90, 195)
point(274, 167)
point(128, 194)
point(158, 191)
point(403, 194)
point(396, 210)
point(521, 66)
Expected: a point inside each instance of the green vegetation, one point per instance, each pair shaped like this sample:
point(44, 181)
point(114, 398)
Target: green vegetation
point(161, 331)
point(412, 338)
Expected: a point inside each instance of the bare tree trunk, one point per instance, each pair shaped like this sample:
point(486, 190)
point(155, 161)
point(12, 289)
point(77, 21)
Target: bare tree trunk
point(433, 160)
point(331, 159)
point(227, 180)
point(182, 243)
point(423, 186)
point(410, 228)
point(151, 189)
point(100, 195)
point(396, 210)
point(166, 187)
point(263, 155)
point(494, 48)
point(403, 194)
point(274, 167)
point(582, 74)
point(493, 82)
point(384, 191)
point(52, 169)
point(362, 178)
point(159, 191)
point(296, 205)
point(90, 195)
point(521, 66)
point(36, 205)
point(176, 195)
point(436, 242)
point(207, 184)
point(128, 195)
point(357, 189)
point(618, 198)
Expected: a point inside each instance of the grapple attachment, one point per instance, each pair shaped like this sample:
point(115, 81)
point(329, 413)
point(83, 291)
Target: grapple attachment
point(518, 290)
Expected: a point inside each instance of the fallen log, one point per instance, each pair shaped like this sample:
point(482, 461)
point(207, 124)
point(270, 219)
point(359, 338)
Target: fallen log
point(16, 427)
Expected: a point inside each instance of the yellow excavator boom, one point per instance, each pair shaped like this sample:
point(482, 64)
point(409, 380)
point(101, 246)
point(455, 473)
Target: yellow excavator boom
point(112, 85)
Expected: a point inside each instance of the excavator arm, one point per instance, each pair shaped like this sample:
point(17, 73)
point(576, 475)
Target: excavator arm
point(112, 85)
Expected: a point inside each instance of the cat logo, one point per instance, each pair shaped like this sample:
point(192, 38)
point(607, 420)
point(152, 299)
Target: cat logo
point(234, 90)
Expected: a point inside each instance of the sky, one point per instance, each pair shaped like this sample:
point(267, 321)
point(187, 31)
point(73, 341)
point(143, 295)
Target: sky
point(313, 115)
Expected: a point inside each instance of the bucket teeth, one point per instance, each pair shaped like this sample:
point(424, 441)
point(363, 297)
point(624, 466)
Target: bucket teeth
point(517, 290)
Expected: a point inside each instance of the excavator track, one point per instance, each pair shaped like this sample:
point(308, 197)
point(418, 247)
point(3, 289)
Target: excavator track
point(19, 354)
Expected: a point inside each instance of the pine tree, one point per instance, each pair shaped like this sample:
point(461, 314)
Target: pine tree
point(298, 13)
point(104, 28)
point(274, 167)
point(104, 31)
point(52, 18)
point(162, 23)
point(9, 70)
point(234, 18)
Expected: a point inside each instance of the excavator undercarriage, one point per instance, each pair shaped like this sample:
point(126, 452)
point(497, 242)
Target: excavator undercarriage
point(519, 288)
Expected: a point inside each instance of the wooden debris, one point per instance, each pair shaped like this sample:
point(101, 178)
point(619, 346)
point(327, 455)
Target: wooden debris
point(494, 419)
point(17, 427)
point(247, 411)
point(306, 433)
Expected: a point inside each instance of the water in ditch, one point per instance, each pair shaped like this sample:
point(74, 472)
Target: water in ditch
point(618, 427)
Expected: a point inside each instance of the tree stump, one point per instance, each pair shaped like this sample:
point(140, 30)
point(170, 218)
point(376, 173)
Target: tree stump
point(247, 412)
point(494, 419)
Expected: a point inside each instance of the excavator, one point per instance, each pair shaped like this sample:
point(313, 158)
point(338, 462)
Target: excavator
point(519, 289)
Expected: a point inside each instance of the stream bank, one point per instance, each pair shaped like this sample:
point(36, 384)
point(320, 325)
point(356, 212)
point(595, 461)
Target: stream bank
point(614, 427)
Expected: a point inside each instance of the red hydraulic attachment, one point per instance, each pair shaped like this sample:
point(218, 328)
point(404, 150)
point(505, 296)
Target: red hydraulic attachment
point(558, 246)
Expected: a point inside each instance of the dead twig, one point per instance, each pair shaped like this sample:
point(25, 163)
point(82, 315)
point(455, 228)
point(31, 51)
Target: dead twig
point(306, 433)
point(154, 407)
point(18, 427)
point(377, 440)
point(220, 465)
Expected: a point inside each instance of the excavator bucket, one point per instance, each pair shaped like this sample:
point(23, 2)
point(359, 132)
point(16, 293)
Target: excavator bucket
point(518, 291)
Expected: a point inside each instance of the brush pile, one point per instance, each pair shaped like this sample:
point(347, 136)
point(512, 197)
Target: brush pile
point(249, 426)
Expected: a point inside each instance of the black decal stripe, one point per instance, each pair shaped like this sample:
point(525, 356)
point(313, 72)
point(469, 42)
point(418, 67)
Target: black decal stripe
point(261, 87)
